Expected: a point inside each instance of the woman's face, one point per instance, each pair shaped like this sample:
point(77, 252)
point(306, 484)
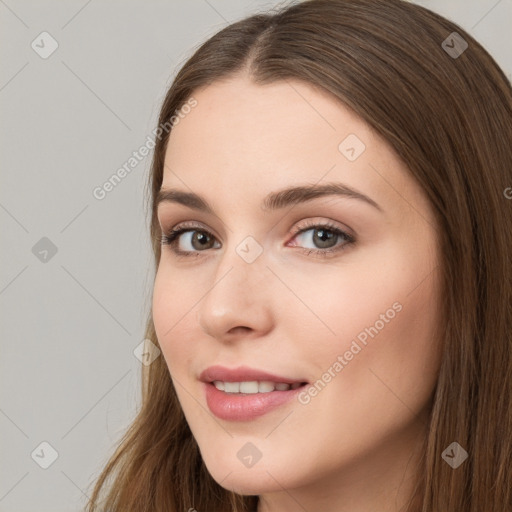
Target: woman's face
point(356, 323)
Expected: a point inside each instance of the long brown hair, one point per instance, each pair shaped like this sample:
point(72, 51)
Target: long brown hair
point(449, 117)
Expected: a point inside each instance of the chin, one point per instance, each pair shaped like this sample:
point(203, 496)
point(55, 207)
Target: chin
point(250, 481)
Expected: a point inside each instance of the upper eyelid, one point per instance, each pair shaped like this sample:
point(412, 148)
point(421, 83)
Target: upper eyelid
point(306, 224)
point(164, 218)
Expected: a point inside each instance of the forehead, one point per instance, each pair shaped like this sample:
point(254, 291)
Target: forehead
point(253, 139)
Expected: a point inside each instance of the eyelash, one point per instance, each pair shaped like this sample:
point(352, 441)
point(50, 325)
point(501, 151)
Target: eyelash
point(172, 238)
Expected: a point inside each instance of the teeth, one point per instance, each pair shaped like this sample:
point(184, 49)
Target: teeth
point(265, 386)
point(249, 387)
point(253, 387)
point(232, 387)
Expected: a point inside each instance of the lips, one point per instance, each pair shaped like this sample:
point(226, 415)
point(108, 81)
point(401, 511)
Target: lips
point(244, 374)
point(241, 406)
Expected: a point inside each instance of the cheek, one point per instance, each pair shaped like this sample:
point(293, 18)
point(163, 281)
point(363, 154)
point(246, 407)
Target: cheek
point(397, 341)
point(174, 296)
point(366, 288)
point(388, 365)
point(381, 318)
point(172, 312)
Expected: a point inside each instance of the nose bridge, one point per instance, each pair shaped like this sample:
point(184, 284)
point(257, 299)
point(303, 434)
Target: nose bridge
point(241, 266)
point(237, 295)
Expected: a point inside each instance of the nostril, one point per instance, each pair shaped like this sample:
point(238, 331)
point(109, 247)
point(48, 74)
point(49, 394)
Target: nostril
point(241, 329)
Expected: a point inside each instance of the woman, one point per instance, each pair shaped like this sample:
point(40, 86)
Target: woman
point(344, 341)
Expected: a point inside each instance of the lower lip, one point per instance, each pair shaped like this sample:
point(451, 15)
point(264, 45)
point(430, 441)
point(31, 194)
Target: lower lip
point(245, 407)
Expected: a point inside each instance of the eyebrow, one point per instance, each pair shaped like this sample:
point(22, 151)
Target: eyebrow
point(273, 201)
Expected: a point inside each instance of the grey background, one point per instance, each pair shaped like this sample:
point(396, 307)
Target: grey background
point(70, 324)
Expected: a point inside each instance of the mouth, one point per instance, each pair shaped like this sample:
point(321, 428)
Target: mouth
point(244, 394)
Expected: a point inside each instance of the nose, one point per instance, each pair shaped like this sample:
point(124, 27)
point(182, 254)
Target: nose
point(238, 300)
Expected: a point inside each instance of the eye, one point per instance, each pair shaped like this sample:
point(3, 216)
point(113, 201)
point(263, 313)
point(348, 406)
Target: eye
point(196, 237)
point(324, 236)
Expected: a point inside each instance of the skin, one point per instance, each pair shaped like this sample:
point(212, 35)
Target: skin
point(355, 445)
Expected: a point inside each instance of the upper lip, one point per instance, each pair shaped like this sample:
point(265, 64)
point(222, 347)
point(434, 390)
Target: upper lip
point(242, 374)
